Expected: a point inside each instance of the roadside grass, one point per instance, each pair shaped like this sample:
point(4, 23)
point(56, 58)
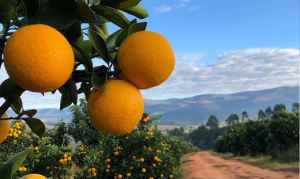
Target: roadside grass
point(261, 161)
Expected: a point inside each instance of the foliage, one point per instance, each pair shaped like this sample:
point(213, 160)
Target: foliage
point(244, 116)
point(232, 119)
point(261, 114)
point(268, 136)
point(212, 122)
point(295, 107)
point(127, 154)
point(44, 153)
point(279, 107)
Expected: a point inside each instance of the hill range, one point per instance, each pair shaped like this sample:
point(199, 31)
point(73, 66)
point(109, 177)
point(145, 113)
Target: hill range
point(197, 109)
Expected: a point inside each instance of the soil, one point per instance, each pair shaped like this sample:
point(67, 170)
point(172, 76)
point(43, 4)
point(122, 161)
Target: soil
point(203, 165)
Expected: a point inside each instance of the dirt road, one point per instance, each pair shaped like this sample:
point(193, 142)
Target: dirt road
point(203, 165)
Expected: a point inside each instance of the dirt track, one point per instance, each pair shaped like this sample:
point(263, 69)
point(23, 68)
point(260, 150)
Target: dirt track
point(203, 165)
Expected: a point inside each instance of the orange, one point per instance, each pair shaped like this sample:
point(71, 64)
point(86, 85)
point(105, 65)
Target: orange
point(4, 128)
point(33, 176)
point(146, 59)
point(38, 58)
point(116, 108)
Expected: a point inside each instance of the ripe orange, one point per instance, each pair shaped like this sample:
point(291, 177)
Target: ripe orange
point(146, 59)
point(116, 108)
point(38, 58)
point(4, 128)
point(33, 176)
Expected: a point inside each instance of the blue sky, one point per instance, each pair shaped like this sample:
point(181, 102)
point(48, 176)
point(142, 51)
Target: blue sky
point(220, 47)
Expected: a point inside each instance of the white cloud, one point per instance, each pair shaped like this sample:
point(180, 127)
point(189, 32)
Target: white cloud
point(235, 71)
point(163, 8)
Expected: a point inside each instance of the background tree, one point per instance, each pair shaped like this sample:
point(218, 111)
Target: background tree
point(295, 107)
point(245, 115)
point(279, 107)
point(261, 114)
point(269, 112)
point(176, 132)
point(232, 118)
point(212, 122)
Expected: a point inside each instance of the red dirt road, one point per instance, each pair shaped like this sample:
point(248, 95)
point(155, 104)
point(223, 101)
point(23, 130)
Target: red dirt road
point(203, 165)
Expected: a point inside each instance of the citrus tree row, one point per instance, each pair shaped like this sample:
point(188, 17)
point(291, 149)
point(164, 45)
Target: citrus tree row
point(271, 136)
point(145, 152)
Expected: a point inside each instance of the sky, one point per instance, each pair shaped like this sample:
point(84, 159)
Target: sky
point(221, 47)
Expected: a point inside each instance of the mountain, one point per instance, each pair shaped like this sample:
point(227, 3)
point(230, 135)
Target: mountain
point(199, 108)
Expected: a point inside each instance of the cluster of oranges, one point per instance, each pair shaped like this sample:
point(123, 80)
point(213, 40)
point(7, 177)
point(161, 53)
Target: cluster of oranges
point(22, 169)
point(16, 131)
point(64, 160)
point(92, 171)
point(146, 119)
point(145, 60)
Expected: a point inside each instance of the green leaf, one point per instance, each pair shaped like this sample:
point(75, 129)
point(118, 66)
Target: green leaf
point(72, 90)
point(17, 105)
point(65, 99)
point(99, 44)
point(124, 4)
point(73, 33)
point(124, 34)
point(111, 40)
point(137, 11)
point(99, 79)
point(7, 9)
point(18, 160)
point(120, 4)
point(30, 113)
point(8, 89)
point(86, 89)
point(36, 126)
point(84, 56)
point(32, 7)
point(6, 170)
point(59, 13)
point(86, 14)
point(100, 32)
point(84, 44)
point(112, 15)
point(137, 27)
point(100, 20)
point(94, 2)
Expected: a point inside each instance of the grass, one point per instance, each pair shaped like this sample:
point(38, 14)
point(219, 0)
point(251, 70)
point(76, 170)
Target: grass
point(262, 161)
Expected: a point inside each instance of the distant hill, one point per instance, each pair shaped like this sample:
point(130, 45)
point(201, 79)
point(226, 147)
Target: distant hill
point(198, 108)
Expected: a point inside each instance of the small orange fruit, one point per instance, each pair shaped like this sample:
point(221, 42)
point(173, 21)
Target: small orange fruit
point(116, 108)
point(146, 59)
point(38, 58)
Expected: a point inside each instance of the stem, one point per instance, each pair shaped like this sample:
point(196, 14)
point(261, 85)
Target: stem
point(8, 102)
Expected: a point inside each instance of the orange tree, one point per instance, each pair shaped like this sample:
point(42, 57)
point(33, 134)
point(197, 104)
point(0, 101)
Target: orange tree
point(46, 155)
point(144, 152)
point(52, 45)
point(274, 136)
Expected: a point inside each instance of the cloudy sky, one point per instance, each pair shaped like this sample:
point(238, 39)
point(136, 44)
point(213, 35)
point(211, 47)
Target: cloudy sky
point(220, 47)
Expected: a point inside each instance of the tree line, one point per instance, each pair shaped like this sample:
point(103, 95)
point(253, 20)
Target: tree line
point(205, 135)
